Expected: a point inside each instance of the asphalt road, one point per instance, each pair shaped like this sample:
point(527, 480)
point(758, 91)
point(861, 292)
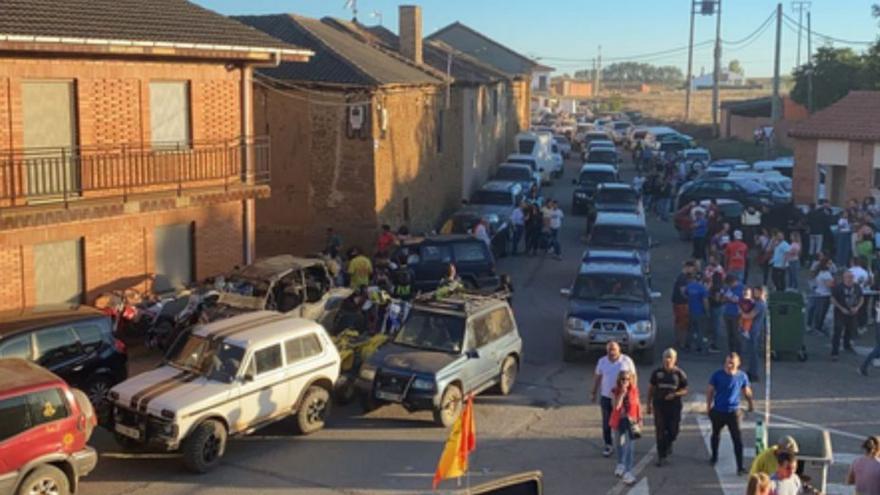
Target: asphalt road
point(546, 424)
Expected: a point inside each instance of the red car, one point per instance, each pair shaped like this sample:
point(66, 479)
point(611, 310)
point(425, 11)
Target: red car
point(44, 427)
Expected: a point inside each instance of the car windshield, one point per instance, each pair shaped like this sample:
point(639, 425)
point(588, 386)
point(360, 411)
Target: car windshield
point(511, 173)
point(639, 135)
point(526, 146)
point(698, 156)
point(432, 332)
point(621, 125)
point(609, 287)
point(617, 196)
point(596, 177)
point(602, 156)
point(500, 198)
point(524, 161)
point(753, 187)
point(212, 358)
point(619, 236)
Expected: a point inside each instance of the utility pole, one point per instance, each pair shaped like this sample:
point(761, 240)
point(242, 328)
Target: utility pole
point(690, 71)
point(800, 6)
point(599, 73)
point(716, 75)
point(809, 64)
point(595, 79)
point(777, 110)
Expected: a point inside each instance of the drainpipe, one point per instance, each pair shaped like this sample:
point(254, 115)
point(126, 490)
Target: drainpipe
point(247, 131)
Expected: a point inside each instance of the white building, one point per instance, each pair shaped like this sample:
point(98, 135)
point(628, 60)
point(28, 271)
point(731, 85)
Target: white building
point(728, 79)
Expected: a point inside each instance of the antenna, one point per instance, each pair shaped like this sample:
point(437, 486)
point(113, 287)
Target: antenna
point(353, 5)
point(376, 15)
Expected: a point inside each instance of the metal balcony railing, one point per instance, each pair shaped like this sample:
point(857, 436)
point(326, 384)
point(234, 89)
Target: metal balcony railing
point(64, 174)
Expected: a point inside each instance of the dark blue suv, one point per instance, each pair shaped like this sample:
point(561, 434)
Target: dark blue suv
point(610, 301)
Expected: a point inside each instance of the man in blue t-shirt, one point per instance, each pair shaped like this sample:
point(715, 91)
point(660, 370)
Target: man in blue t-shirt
point(732, 294)
point(699, 233)
point(698, 321)
point(722, 404)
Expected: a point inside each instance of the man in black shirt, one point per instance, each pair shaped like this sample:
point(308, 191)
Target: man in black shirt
point(847, 300)
point(667, 386)
point(818, 223)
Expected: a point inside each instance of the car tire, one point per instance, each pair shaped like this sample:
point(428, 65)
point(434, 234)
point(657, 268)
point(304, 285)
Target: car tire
point(204, 447)
point(45, 479)
point(313, 410)
point(450, 406)
point(96, 389)
point(568, 353)
point(507, 375)
point(368, 403)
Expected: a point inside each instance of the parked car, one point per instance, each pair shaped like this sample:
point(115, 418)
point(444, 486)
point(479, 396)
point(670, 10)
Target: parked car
point(611, 256)
point(564, 145)
point(284, 283)
point(609, 301)
point(519, 173)
point(720, 168)
point(596, 135)
point(538, 171)
point(747, 192)
point(779, 185)
point(45, 426)
point(617, 197)
point(623, 232)
point(537, 146)
point(620, 129)
point(228, 378)
point(604, 155)
point(446, 350)
point(696, 159)
point(429, 257)
point(784, 166)
point(75, 343)
point(633, 136)
point(589, 178)
point(494, 202)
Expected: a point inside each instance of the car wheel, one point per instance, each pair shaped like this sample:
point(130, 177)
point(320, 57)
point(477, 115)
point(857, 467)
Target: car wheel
point(507, 376)
point(450, 406)
point(568, 353)
point(204, 447)
point(45, 480)
point(313, 410)
point(368, 403)
point(97, 389)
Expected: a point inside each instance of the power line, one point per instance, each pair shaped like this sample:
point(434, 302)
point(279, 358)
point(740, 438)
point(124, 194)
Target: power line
point(830, 38)
point(757, 32)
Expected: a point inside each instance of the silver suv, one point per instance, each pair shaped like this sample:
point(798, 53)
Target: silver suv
point(446, 350)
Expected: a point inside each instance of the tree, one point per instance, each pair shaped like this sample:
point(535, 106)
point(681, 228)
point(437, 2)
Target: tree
point(836, 71)
point(735, 67)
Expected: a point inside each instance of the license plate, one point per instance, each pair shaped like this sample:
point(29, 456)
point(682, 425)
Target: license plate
point(388, 396)
point(128, 431)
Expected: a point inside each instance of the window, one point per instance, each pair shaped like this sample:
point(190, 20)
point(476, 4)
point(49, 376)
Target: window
point(58, 272)
point(499, 323)
point(49, 128)
point(470, 251)
point(173, 250)
point(481, 333)
point(90, 335)
point(440, 116)
point(302, 348)
point(19, 347)
point(435, 254)
point(268, 359)
point(46, 406)
point(169, 114)
point(55, 346)
point(14, 418)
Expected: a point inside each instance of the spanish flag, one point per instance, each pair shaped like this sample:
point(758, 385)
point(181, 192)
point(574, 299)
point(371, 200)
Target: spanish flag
point(461, 442)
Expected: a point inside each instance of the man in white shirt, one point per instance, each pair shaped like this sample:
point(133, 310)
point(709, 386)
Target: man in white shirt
point(604, 381)
point(481, 232)
point(554, 218)
point(518, 223)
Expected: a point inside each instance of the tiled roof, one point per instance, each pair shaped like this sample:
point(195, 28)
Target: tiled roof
point(156, 21)
point(339, 57)
point(854, 117)
point(487, 50)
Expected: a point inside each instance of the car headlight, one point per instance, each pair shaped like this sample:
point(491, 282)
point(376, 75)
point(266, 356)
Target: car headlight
point(643, 327)
point(367, 372)
point(422, 384)
point(575, 324)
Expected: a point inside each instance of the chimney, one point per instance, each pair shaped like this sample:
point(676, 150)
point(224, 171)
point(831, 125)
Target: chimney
point(410, 32)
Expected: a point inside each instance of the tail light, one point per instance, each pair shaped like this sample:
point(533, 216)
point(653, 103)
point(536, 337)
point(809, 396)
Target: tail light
point(119, 345)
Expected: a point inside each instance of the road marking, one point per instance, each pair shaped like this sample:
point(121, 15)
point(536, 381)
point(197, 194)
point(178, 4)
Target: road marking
point(725, 468)
point(641, 488)
point(814, 426)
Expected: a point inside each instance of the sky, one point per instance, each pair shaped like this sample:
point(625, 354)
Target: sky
point(566, 34)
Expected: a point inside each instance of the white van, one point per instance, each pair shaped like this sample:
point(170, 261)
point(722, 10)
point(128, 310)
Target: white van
point(537, 145)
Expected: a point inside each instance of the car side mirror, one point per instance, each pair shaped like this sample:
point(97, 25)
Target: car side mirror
point(472, 354)
point(565, 292)
point(247, 378)
point(656, 295)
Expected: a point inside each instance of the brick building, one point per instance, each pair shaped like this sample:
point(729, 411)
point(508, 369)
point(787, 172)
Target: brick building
point(841, 144)
point(360, 137)
point(127, 157)
point(740, 118)
point(572, 88)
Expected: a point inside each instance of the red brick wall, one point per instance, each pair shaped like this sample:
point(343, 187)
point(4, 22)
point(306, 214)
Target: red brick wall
point(119, 252)
point(804, 178)
point(859, 170)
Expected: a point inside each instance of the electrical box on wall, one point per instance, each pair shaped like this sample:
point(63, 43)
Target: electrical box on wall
point(357, 123)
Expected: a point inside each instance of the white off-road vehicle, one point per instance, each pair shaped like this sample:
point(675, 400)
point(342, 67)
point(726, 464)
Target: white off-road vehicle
point(227, 378)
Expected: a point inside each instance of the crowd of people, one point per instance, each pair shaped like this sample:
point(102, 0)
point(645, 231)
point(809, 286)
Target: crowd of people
point(711, 297)
point(774, 471)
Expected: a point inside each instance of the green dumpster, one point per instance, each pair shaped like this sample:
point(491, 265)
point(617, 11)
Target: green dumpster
point(814, 449)
point(787, 323)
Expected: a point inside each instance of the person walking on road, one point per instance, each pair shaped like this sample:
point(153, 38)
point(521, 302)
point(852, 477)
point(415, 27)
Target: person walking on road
point(699, 233)
point(518, 221)
point(736, 256)
point(766, 461)
point(784, 481)
point(554, 223)
point(779, 262)
point(865, 471)
point(534, 224)
point(680, 303)
point(360, 269)
point(847, 300)
point(822, 284)
point(733, 294)
point(604, 380)
point(625, 421)
point(722, 404)
point(667, 387)
point(698, 307)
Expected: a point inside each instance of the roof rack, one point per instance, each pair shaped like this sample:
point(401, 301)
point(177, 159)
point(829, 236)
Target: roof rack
point(462, 299)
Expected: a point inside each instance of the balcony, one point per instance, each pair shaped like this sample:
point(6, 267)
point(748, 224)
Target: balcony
point(69, 178)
